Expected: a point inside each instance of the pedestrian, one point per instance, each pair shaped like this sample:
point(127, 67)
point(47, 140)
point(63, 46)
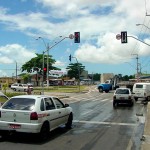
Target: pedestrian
point(29, 90)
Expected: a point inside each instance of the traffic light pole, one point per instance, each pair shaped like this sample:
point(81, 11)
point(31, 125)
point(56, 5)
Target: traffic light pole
point(43, 75)
point(78, 72)
point(47, 50)
point(139, 40)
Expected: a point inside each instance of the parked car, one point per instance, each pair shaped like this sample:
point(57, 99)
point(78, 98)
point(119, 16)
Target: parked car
point(123, 96)
point(37, 114)
point(20, 87)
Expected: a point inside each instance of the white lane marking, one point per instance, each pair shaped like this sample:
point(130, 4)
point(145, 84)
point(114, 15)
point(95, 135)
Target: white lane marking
point(104, 100)
point(106, 123)
point(86, 112)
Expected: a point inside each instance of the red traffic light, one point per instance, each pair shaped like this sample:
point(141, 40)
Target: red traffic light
point(44, 69)
point(76, 37)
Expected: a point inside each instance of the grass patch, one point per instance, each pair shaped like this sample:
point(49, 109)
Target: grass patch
point(15, 94)
point(61, 89)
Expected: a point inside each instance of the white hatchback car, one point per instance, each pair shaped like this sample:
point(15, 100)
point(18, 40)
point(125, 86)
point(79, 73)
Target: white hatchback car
point(34, 114)
point(123, 96)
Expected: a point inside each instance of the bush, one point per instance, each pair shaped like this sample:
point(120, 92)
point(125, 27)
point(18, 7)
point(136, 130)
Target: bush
point(15, 94)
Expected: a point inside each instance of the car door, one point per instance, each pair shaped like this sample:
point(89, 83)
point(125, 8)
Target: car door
point(51, 112)
point(61, 110)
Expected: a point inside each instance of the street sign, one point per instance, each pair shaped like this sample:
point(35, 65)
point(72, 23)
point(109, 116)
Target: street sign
point(118, 36)
point(71, 36)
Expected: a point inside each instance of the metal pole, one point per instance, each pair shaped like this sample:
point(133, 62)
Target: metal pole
point(16, 71)
point(43, 75)
point(47, 65)
point(137, 68)
point(78, 73)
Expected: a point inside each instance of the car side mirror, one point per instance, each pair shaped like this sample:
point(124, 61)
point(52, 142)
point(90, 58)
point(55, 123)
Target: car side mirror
point(66, 105)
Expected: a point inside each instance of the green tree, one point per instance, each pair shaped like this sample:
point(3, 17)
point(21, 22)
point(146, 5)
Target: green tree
point(126, 77)
point(74, 69)
point(96, 77)
point(36, 64)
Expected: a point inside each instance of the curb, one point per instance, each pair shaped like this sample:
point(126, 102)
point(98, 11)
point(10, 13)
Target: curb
point(146, 136)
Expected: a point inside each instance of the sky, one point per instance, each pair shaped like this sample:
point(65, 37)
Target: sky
point(98, 21)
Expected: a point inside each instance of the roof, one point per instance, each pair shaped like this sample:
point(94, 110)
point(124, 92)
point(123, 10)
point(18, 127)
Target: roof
point(32, 96)
point(142, 83)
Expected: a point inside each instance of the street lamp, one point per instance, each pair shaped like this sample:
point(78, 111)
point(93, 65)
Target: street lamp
point(78, 72)
point(16, 70)
point(47, 50)
point(137, 58)
point(143, 25)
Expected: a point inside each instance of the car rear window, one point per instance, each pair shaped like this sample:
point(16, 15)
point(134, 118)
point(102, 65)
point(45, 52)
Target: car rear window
point(140, 86)
point(122, 91)
point(20, 104)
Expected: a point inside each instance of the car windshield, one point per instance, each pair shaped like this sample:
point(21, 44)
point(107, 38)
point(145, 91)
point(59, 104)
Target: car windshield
point(20, 104)
point(140, 86)
point(122, 91)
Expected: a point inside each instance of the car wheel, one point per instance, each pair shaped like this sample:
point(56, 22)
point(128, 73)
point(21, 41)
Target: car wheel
point(106, 91)
point(100, 90)
point(136, 99)
point(131, 104)
point(4, 136)
point(115, 104)
point(44, 133)
point(69, 122)
point(14, 89)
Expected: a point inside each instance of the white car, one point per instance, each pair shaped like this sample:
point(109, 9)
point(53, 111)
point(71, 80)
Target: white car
point(20, 87)
point(123, 96)
point(34, 114)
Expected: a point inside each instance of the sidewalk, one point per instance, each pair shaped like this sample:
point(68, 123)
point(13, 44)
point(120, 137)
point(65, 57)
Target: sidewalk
point(146, 135)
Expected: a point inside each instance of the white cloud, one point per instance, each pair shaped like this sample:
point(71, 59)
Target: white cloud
point(89, 18)
point(109, 50)
point(59, 64)
point(15, 52)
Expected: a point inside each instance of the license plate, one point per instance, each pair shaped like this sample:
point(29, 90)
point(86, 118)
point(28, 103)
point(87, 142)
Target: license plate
point(15, 126)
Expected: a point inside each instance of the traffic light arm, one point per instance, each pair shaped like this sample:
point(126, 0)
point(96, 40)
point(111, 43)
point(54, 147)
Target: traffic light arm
point(139, 40)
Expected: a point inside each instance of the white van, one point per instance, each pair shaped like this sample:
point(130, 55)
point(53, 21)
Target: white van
point(141, 90)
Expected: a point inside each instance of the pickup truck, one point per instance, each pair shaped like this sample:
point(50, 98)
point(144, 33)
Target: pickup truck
point(20, 87)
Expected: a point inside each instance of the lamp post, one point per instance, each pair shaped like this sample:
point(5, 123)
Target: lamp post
point(47, 50)
point(16, 71)
point(137, 57)
point(78, 72)
point(138, 24)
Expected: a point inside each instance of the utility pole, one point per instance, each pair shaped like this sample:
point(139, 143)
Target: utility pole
point(47, 65)
point(16, 71)
point(78, 72)
point(137, 64)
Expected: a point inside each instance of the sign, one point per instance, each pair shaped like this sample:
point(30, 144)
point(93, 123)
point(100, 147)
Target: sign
point(71, 36)
point(57, 72)
point(118, 36)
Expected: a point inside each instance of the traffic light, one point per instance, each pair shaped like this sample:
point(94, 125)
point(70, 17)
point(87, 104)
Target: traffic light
point(76, 37)
point(124, 37)
point(44, 71)
point(70, 57)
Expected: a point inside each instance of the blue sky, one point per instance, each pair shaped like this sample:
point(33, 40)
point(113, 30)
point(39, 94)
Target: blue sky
point(98, 21)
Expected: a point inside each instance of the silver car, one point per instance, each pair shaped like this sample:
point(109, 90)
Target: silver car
point(123, 96)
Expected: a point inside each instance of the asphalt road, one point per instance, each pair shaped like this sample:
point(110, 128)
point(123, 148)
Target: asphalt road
point(96, 126)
